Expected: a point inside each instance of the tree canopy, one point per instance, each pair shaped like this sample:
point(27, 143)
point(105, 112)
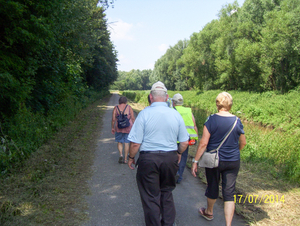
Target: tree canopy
point(51, 50)
point(55, 57)
point(133, 80)
point(251, 48)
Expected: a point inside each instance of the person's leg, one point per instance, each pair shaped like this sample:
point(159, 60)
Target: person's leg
point(168, 211)
point(210, 206)
point(182, 165)
point(212, 191)
point(168, 169)
point(126, 151)
point(229, 207)
point(120, 148)
point(148, 184)
point(126, 147)
point(119, 139)
point(229, 174)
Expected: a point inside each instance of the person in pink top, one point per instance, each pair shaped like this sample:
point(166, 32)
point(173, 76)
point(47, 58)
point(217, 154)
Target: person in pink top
point(122, 134)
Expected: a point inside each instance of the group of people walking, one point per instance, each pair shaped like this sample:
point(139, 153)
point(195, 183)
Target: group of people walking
point(161, 134)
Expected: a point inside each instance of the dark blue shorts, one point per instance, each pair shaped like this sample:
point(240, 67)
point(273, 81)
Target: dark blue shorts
point(121, 137)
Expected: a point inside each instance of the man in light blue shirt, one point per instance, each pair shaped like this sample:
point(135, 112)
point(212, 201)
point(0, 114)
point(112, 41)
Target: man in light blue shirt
point(156, 132)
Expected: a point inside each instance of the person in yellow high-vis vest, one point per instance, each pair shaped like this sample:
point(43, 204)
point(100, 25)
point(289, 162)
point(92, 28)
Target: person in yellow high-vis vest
point(191, 128)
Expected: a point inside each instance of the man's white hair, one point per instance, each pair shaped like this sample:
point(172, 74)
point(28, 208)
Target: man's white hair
point(159, 95)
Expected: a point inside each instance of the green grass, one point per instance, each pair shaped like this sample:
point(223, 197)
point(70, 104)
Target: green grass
point(271, 123)
point(26, 131)
point(49, 187)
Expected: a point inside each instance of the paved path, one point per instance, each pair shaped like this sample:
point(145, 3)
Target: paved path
point(115, 200)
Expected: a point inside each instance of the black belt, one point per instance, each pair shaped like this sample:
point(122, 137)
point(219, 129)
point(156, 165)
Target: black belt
point(156, 152)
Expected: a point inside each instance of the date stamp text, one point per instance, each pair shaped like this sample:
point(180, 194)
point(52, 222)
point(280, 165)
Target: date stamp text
point(256, 199)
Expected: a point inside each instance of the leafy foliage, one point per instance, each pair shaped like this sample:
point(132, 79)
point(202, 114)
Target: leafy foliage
point(55, 57)
point(133, 80)
point(271, 123)
point(250, 48)
point(168, 68)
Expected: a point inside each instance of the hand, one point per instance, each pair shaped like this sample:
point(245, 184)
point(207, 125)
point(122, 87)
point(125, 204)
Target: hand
point(113, 131)
point(130, 163)
point(194, 169)
point(179, 158)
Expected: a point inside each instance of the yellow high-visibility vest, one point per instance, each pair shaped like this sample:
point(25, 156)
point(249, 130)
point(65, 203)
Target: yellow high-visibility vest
point(186, 114)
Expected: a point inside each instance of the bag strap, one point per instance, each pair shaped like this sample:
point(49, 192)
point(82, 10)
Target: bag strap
point(118, 109)
point(122, 111)
point(227, 134)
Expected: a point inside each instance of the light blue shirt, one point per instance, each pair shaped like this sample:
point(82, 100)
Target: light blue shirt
point(158, 127)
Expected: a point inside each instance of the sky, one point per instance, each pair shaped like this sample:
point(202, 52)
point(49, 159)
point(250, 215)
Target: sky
point(142, 30)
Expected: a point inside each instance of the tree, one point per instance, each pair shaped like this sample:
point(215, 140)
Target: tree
point(281, 47)
point(168, 69)
point(133, 80)
point(54, 56)
point(198, 58)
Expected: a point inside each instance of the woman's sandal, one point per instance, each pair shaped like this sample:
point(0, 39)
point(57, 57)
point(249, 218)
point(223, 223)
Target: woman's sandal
point(207, 216)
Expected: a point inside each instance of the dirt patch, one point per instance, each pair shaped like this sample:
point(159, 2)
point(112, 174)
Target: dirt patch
point(50, 188)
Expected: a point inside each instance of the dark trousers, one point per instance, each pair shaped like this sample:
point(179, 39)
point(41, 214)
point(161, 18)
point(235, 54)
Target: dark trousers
point(156, 181)
point(229, 172)
point(182, 164)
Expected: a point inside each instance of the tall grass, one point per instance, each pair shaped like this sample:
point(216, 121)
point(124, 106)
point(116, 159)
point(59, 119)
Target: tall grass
point(26, 131)
point(271, 123)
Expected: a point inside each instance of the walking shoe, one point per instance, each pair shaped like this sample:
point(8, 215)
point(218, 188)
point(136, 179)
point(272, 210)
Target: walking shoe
point(121, 159)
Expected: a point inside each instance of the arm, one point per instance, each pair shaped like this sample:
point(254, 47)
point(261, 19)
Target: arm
point(133, 149)
point(242, 141)
point(181, 148)
point(132, 115)
point(113, 121)
point(182, 135)
point(201, 149)
point(195, 125)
